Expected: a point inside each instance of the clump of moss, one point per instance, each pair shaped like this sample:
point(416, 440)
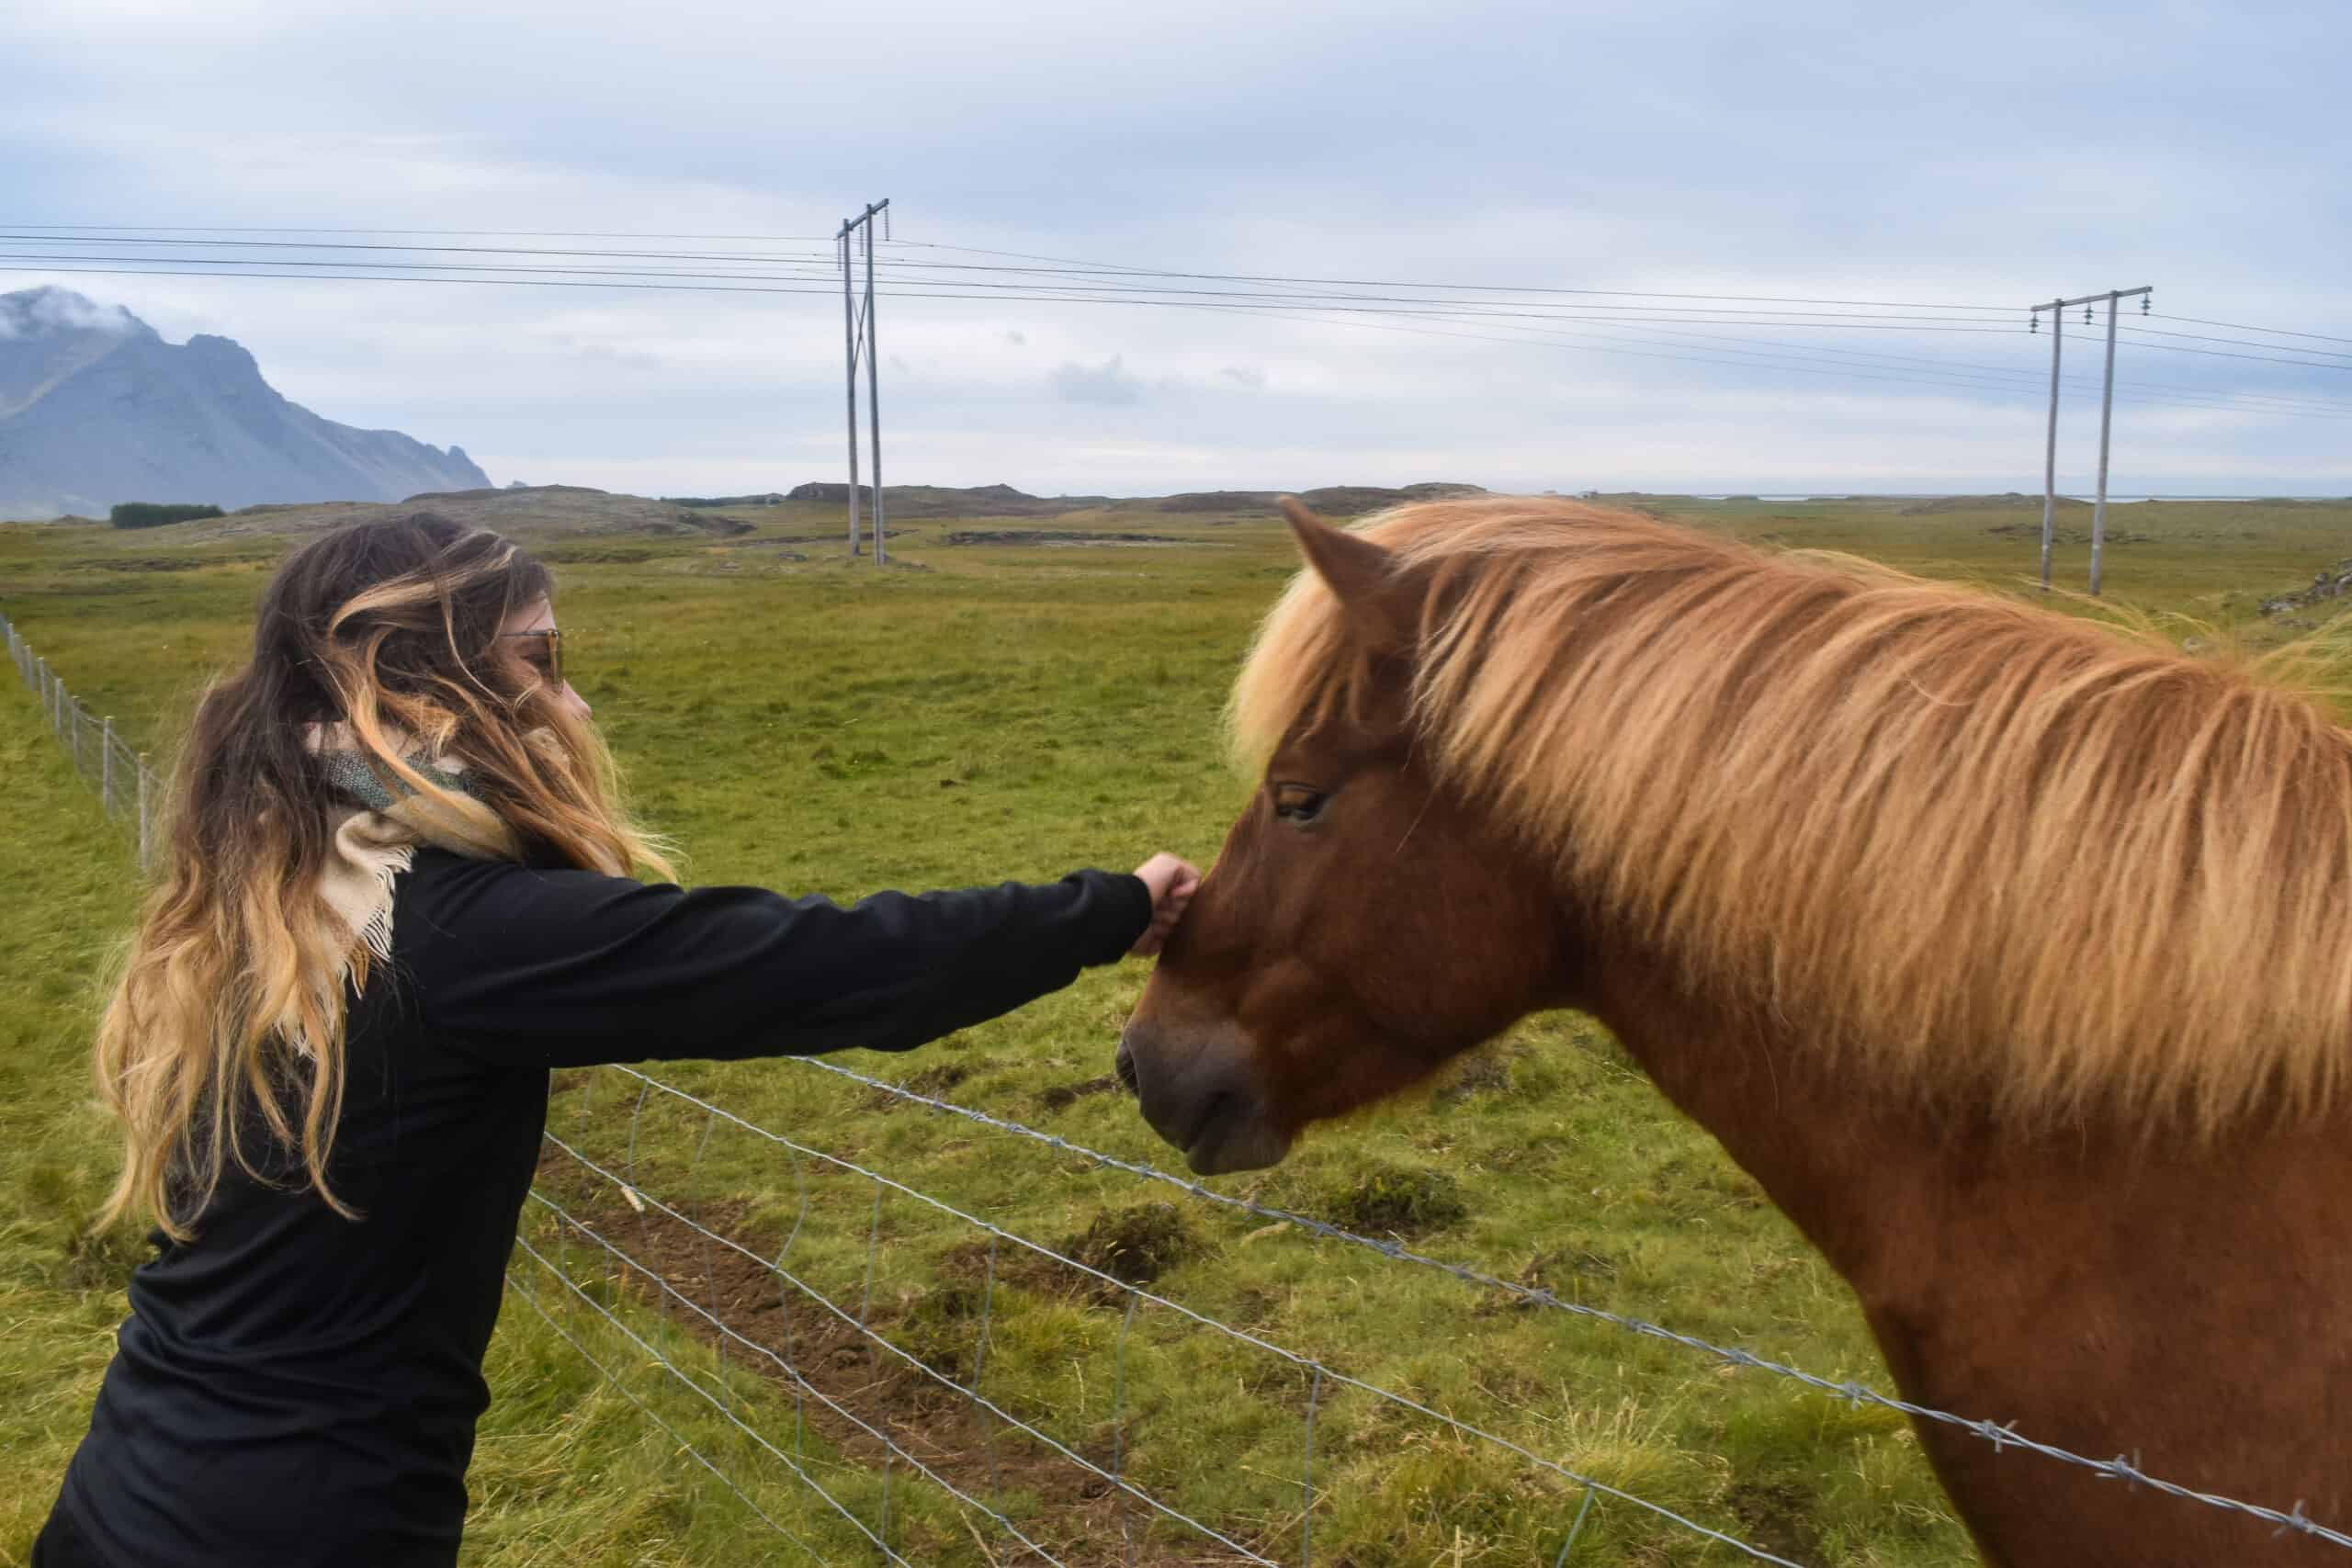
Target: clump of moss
point(1389, 1200)
point(1134, 1245)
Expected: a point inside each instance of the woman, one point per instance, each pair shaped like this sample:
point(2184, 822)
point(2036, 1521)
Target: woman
point(394, 898)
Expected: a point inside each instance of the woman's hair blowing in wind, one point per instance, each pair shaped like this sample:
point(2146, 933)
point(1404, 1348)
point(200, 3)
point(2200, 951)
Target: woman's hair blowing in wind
point(223, 1040)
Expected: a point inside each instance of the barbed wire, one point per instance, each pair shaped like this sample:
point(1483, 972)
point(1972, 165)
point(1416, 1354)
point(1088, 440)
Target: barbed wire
point(72, 722)
point(1312, 1368)
point(1999, 1434)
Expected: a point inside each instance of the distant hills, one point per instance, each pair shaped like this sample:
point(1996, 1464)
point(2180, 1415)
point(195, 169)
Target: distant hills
point(533, 514)
point(95, 408)
point(544, 513)
point(1004, 500)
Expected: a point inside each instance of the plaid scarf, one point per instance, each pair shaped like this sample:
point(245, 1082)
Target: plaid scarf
point(377, 832)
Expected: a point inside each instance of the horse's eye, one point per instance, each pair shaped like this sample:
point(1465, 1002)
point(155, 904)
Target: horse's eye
point(1298, 803)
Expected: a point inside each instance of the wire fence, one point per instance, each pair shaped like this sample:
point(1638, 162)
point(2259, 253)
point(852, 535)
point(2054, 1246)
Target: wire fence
point(873, 1320)
point(126, 784)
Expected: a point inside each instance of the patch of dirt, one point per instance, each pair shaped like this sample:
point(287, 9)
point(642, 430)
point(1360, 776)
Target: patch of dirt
point(1062, 1096)
point(1080, 1520)
point(1482, 1071)
point(933, 1081)
point(1777, 1516)
point(1135, 1245)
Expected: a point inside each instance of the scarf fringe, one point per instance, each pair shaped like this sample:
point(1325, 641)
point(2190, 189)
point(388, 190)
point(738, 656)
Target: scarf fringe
point(376, 838)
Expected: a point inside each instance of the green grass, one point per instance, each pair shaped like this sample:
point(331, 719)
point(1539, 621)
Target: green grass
point(974, 713)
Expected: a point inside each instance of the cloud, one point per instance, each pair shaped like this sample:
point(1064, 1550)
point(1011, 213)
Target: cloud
point(1107, 384)
point(1201, 148)
point(630, 358)
point(58, 310)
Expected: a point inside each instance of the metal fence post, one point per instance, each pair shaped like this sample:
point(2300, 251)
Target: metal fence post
point(105, 766)
point(143, 860)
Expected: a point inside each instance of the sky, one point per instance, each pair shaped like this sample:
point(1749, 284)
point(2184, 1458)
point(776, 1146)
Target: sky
point(1948, 159)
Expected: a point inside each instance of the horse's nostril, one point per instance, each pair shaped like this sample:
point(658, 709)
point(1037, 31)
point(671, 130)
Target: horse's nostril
point(1214, 1112)
point(1125, 1066)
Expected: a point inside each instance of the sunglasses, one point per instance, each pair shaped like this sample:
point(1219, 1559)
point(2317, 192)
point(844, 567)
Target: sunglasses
point(552, 660)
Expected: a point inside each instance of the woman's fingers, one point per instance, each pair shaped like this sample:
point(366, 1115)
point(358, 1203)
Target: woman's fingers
point(1172, 882)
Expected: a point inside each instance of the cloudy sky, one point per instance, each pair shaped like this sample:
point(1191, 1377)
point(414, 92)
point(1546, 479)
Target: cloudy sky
point(1951, 157)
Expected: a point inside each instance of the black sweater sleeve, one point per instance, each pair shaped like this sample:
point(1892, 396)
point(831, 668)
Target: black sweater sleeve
point(569, 968)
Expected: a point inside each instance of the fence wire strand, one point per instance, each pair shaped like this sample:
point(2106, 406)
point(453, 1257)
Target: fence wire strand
point(127, 786)
point(1307, 1366)
point(2000, 1435)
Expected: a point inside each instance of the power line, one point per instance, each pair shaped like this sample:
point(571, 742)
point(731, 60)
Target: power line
point(505, 273)
point(2258, 358)
point(1261, 311)
point(75, 229)
point(1966, 375)
point(1970, 367)
point(2328, 353)
point(1379, 282)
point(487, 233)
point(1270, 312)
point(486, 282)
point(1745, 317)
point(809, 262)
point(2241, 326)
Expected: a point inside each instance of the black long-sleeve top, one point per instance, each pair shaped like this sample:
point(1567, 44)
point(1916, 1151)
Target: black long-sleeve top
point(296, 1388)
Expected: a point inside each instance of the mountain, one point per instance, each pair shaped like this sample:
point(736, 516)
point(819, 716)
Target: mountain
point(96, 408)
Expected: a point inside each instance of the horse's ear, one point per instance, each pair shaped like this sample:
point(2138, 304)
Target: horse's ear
point(1382, 599)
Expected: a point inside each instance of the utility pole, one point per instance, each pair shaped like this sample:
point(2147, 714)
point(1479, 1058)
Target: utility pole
point(849, 338)
point(857, 323)
point(2057, 309)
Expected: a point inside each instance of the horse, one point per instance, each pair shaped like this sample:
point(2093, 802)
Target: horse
point(2010, 953)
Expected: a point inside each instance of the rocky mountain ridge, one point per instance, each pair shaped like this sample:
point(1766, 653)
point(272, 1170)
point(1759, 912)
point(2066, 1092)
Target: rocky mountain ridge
point(96, 408)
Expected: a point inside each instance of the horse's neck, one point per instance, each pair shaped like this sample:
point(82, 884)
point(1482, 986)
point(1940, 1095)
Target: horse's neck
point(1851, 1175)
point(2046, 1278)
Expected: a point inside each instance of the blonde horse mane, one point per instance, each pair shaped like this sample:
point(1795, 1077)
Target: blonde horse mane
point(1968, 842)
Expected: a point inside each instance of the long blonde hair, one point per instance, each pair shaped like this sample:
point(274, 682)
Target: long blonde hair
point(230, 1006)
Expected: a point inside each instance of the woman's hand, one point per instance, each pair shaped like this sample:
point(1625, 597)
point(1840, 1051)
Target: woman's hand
point(1171, 881)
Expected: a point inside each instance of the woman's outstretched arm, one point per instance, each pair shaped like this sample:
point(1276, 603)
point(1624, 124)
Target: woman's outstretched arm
point(568, 968)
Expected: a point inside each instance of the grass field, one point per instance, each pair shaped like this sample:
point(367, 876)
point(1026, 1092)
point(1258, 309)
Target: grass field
point(977, 712)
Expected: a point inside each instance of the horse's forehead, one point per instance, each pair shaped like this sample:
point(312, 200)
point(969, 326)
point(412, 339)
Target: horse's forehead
point(1344, 741)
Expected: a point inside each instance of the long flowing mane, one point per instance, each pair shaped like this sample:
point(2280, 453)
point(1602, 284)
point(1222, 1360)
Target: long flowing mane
point(1967, 842)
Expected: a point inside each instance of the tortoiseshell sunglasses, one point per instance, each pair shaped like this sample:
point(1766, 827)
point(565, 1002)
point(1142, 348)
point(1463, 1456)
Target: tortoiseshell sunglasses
point(553, 639)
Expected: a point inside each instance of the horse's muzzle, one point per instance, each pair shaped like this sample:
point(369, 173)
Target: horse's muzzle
point(1201, 1095)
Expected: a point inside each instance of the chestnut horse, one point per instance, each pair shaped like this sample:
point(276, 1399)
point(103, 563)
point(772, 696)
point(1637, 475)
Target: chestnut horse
point(2011, 956)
